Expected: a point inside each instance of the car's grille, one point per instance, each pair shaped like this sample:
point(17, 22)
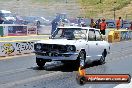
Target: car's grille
point(54, 48)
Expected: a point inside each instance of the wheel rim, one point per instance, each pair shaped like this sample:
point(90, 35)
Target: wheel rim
point(82, 59)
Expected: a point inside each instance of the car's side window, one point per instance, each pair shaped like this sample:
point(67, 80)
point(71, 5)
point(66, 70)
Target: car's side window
point(98, 35)
point(91, 35)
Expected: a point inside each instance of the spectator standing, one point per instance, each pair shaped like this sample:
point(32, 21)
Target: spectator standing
point(54, 26)
point(97, 23)
point(130, 26)
point(103, 26)
point(92, 24)
point(118, 23)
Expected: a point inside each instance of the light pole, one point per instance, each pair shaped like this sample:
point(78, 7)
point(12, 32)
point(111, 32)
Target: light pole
point(114, 13)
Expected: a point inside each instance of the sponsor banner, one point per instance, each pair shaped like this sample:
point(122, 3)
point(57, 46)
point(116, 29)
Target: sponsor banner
point(104, 78)
point(117, 36)
point(31, 30)
point(24, 47)
point(83, 78)
point(7, 49)
point(114, 36)
point(17, 30)
point(16, 48)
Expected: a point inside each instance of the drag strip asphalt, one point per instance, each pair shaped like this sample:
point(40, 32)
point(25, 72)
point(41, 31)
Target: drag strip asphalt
point(22, 72)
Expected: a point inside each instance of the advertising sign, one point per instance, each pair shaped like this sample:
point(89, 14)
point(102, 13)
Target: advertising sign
point(17, 30)
point(32, 30)
point(16, 48)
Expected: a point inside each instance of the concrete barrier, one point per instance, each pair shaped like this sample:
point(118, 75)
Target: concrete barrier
point(31, 30)
point(16, 48)
point(17, 30)
point(119, 35)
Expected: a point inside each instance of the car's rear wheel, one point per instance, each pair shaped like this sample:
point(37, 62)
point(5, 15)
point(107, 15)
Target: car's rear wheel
point(102, 58)
point(40, 62)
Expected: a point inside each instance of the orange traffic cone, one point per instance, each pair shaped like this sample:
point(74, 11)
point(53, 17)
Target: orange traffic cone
point(81, 71)
point(81, 76)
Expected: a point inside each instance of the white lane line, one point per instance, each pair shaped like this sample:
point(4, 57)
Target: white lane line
point(129, 85)
point(16, 56)
point(18, 82)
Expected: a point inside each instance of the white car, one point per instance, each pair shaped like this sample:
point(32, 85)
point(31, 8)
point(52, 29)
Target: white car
point(72, 44)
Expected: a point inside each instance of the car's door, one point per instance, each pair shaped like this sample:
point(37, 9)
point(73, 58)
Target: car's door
point(93, 47)
point(99, 42)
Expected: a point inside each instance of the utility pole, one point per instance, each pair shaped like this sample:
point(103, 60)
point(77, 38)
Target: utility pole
point(114, 13)
point(100, 1)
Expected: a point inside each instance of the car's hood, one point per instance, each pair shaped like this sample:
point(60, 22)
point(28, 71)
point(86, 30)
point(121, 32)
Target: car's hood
point(58, 41)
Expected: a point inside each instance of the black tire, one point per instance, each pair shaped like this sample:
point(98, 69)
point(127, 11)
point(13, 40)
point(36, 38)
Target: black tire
point(81, 80)
point(102, 58)
point(81, 59)
point(40, 62)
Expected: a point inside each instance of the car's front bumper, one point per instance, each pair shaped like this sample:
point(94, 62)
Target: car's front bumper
point(57, 57)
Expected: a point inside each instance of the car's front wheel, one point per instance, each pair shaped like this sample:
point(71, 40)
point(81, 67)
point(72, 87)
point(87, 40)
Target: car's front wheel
point(81, 59)
point(40, 62)
point(102, 58)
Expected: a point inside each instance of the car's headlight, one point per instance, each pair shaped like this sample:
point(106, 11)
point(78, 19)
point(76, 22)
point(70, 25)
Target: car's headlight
point(38, 46)
point(71, 48)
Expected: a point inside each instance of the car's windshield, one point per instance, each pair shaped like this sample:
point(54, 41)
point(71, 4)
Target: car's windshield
point(70, 33)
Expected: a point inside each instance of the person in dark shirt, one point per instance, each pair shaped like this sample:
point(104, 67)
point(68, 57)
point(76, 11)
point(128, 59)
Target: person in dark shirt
point(92, 24)
point(98, 23)
point(1, 20)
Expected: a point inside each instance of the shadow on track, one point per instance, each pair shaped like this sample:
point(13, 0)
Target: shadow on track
point(58, 66)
